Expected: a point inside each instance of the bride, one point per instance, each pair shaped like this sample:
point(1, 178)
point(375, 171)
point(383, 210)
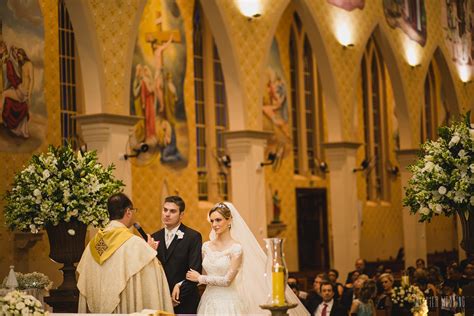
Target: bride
point(234, 268)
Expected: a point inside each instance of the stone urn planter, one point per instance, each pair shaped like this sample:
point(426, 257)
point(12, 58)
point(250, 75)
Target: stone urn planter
point(67, 243)
point(467, 225)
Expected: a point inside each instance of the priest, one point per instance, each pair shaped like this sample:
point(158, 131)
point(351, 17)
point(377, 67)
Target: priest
point(118, 271)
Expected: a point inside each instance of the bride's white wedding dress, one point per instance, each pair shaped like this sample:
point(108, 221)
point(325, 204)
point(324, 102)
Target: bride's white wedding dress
point(235, 277)
point(221, 296)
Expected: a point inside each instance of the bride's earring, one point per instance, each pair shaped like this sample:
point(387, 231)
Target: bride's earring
point(230, 226)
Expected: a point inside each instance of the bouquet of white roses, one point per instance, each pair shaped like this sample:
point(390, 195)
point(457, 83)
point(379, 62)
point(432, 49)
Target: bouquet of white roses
point(443, 177)
point(60, 185)
point(19, 303)
point(410, 297)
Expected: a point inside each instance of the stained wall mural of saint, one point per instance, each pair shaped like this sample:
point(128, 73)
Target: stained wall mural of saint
point(23, 117)
point(409, 16)
point(457, 21)
point(348, 5)
point(275, 104)
point(157, 82)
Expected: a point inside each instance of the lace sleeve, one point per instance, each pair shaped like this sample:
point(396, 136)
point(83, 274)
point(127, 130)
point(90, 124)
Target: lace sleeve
point(226, 280)
point(204, 248)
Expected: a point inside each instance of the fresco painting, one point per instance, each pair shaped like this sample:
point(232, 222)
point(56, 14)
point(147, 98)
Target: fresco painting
point(157, 84)
point(409, 16)
point(23, 119)
point(275, 104)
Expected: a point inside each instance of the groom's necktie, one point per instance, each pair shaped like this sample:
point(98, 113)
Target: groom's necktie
point(169, 238)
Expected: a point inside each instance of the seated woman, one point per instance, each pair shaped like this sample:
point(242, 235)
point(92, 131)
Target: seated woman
point(420, 278)
point(352, 293)
point(364, 305)
point(333, 274)
point(384, 301)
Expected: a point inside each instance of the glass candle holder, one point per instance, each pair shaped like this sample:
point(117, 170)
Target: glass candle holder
point(405, 282)
point(276, 272)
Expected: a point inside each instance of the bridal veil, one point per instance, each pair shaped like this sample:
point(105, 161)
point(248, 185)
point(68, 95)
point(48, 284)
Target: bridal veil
point(251, 282)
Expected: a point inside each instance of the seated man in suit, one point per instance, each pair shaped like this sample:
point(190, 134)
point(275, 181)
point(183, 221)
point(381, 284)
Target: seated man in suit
point(359, 266)
point(329, 306)
point(294, 286)
point(314, 296)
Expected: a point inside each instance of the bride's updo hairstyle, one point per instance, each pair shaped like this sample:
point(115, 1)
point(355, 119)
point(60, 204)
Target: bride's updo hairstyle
point(222, 209)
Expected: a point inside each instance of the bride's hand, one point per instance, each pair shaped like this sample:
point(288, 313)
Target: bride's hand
point(192, 275)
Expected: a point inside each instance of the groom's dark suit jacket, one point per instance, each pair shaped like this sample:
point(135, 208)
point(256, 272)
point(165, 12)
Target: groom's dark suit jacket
point(182, 255)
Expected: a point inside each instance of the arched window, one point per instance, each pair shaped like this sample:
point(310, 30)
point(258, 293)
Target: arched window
point(434, 111)
point(306, 103)
point(294, 101)
point(68, 79)
point(211, 113)
point(374, 107)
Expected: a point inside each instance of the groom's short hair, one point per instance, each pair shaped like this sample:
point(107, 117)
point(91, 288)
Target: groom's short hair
point(117, 204)
point(176, 200)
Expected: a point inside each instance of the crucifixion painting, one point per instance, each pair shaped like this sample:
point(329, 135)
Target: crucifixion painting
point(158, 70)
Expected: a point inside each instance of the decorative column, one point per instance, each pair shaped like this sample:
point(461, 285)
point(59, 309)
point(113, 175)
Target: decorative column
point(108, 134)
point(344, 206)
point(246, 150)
point(414, 232)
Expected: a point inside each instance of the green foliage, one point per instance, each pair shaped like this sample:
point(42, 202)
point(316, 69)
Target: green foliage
point(57, 186)
point(443, 177)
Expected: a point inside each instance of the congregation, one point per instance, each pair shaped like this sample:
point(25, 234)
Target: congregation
point(367, 292)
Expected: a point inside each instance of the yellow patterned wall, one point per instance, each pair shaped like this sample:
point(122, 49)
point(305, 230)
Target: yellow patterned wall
point(113, 20)
point(38, 258)
point(379, 221)
point(441, 234)
point(250, 41)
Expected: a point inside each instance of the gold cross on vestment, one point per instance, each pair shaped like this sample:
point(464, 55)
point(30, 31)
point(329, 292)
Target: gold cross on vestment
point(101, 246)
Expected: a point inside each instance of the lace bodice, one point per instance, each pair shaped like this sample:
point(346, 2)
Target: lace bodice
point(218, 262)
point(221, 296)
point(221, 267)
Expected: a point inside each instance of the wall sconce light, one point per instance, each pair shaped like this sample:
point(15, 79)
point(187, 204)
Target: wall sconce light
point(80, 145)
point(224, 160)
point(141, 148)
point(394, 170)
point(270, 159)
point(321, 165)
point(344, 32)
point(252, 9)
point(412, 54)
point(413, 63)
point(364, 165)
point(465, 74)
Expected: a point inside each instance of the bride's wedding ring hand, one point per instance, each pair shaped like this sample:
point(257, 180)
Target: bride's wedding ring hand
point(192, 275)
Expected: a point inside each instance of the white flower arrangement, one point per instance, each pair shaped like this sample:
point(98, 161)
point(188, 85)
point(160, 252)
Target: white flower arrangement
point(443, 177)
point(19, 303)
point(58, 186)
point(410, 297)
point(33, 280)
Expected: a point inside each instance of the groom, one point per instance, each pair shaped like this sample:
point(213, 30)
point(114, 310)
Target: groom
point(179, 250)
